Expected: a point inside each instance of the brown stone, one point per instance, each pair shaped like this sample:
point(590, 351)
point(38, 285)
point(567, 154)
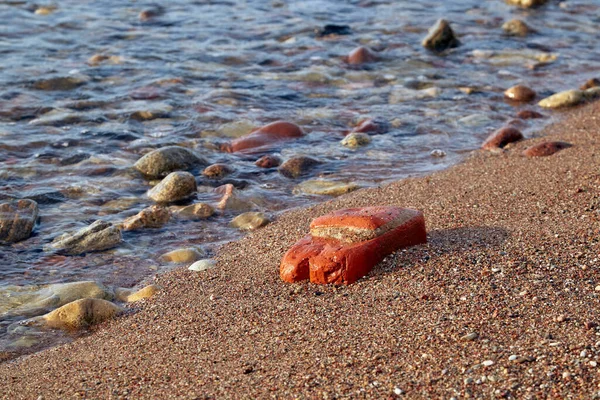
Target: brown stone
point(345, 245)
point(516, 27)
point(545, 149)
point(17, 220)
point(501, 138)
point(265, 137)
point(373, 126)
point(520, 93)
point(151, 217)
point(591, 83)
point(297, 166)
point(440, 37)
point(217, 171)
point(529, 114)
point(361, 55)
point(268, 161)
point(527, 3)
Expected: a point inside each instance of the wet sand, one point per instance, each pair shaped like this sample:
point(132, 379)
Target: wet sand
point(511, 264)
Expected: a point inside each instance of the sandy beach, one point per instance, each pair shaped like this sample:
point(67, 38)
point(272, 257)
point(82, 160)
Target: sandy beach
point(501, 303)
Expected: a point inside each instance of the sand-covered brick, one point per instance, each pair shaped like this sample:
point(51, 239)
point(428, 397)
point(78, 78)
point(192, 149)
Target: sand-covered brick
point(345, 245)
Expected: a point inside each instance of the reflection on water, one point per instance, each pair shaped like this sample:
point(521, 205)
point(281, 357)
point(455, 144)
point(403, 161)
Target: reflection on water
point(86, 88)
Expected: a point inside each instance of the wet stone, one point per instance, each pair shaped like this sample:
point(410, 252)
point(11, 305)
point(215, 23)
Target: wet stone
point(174, 187)
point(161, 162)
point(197, 210)
point(17, 220)
point(516, 27)
point(501, 138)
point(297, 166)
point(268, 161)
point(131, 295)
point(527, 3)
point(545, 149)
point(250, 221)
point(188, 254)
point(231, 199)
point(373, 126)
point(361, 55)
point(529, 114)
point(591, 83)
point(98, 236)
point(151, 217)
point(265, 137)
point(440, 37)
point(345, 245)
point(332, 29)
point(59, 83)
point(356, 139)
point(325, 188)
point(520, 93)
point(217, 171)
point(567, 98)
point(81, 314)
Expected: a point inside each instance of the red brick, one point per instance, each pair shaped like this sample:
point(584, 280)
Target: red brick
point(342, 258)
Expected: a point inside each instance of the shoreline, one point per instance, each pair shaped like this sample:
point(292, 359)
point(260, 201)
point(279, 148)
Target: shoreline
point(509, 238)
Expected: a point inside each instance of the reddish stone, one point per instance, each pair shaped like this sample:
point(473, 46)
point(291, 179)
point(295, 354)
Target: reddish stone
point(268, 161)
point(372, 126)
point(361, 55)
point(264, 137)
point(545, 149)
point(529, 114)
point(594, 82)
point(345, 245)
point(520, 93)
point(501, 138)
point(217, 171)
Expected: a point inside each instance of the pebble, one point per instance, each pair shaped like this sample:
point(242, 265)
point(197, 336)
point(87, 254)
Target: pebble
point(325, 188)
point(250, 221)
point(151, 217)
point(469, 337)
point(176, 186)
point(297, 166)
point(184, 255)
point(591, 83)
point(217, 171)
point(163, 161)
point(527, 3)
point(197, 210)
point(59, 83)
point(356, 139)
point(203, 265)
point(487, 363)
point(98, 236)
point(437, 153)
point(264, 137)
point(17, 220)
point(333, 30)
point(268, 161)
point(361, 55)
point(516, 27)
point(501, 138)
point(567, 98)
point(144, 293)
point(81, 314)
point(545, 149)
point(520, 93)
point(529, 114)
point(440, 37)
point(373, 126)
point(512, 357)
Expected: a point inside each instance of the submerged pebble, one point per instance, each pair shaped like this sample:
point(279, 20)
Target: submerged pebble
point(325, 188)
point(161, 162)
point(17, 219)
point(151, 217)
point(297, 166)
point(356, 139)
point(250, 221)
point(174, 187)
point(98, 236)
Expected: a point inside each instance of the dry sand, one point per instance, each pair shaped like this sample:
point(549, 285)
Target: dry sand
point(513, 256)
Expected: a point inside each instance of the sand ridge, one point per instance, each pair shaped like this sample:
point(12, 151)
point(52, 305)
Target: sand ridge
point(500, 303)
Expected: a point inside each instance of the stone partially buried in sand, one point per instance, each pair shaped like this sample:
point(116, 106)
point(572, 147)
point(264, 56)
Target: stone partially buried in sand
point(81, 314)
point(161, 162)
point(17, 219)
point(345, 245)
point(176, 186)
point(98, 236)
point(568, 98)
point(250, 221)
point(325, 188)
point(501, 138)
point(545, 149)
point(188, 254)
point(132, 295)
point(264, 137)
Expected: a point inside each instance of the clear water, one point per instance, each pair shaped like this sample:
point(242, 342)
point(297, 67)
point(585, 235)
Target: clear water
point(202, 65)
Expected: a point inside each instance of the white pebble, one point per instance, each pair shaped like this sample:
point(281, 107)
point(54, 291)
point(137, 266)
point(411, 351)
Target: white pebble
point(488, 363)
point(437, 153)
point(512, 358)
point(398, 391)
point(203, 265)
point(593, 363)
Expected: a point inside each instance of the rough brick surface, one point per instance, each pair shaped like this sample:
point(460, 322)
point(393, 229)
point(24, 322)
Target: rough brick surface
point(345, 245)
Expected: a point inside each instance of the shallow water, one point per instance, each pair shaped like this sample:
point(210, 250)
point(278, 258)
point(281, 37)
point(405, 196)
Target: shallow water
point(210, 70)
